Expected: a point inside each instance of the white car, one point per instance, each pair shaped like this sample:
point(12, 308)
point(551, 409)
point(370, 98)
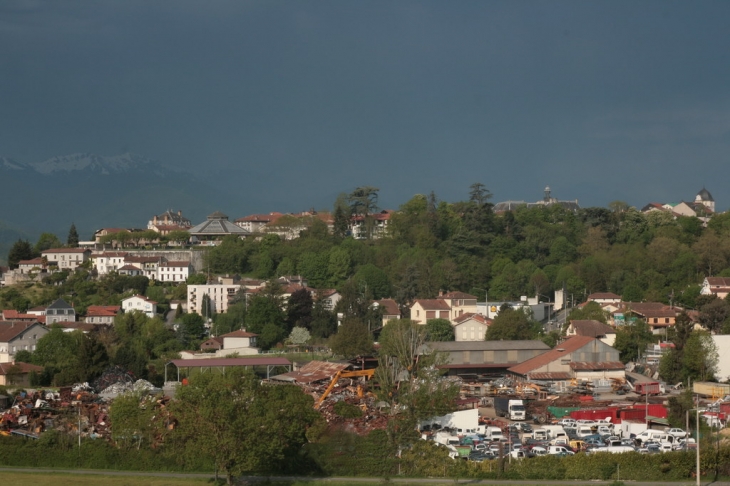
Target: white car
point(678, 433)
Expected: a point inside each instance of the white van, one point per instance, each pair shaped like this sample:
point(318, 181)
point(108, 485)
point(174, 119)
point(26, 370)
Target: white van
point(584, 431)
point(651, 435)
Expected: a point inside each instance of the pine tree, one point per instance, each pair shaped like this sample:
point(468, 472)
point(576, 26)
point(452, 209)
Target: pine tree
point(21, 250)
point(73, 237)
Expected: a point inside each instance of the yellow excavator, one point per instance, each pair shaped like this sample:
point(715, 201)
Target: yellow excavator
point(344, 374)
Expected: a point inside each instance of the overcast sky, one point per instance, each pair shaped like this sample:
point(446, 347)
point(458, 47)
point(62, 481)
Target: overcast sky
point(601, 100)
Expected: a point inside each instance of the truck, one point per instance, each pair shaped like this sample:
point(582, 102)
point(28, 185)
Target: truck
point(650, 388)
point(509, 407)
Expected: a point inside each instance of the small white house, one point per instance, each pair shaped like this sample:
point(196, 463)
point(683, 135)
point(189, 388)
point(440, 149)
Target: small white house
point(141, 304)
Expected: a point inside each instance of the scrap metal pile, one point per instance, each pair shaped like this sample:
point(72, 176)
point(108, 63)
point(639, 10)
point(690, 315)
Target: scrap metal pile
point(76, 410)
point(348, 391)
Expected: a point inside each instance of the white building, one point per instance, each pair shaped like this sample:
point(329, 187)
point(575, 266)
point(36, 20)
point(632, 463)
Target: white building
point(141, 304)
point(219, 295)
point(66, 258)
point(108, 261)
point(174, 271)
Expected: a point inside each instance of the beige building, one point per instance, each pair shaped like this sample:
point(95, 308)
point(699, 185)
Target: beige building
point(448, 306)
point(470, 327)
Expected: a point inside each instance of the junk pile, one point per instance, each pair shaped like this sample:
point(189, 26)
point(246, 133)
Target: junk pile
point(79, 409)
point(349, 392)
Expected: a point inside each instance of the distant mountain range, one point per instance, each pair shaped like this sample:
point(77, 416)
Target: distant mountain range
point(94, 191)
point(97, 191)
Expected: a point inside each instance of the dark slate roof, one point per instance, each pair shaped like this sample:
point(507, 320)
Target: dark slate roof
point(60, 304)
point(591, 328)
point(705, 195)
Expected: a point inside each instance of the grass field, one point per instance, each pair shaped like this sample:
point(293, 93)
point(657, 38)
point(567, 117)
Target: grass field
point(65, 479)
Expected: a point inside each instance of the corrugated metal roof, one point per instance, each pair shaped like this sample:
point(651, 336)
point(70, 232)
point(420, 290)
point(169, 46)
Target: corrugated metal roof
point(489, 345)
point(602, 365)
point(313, 371)
point(561, 350)
point(202, 363)
point(554, 375)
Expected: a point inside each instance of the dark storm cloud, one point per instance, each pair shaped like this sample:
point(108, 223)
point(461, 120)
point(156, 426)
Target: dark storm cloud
point(600, 100)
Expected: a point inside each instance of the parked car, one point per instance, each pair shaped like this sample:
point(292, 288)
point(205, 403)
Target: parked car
point(678, 433)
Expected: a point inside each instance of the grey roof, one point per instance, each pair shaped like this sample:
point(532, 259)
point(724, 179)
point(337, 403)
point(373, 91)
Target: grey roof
point(60, 304)
point(705, 195)
point(488, 345)
point(217, 224)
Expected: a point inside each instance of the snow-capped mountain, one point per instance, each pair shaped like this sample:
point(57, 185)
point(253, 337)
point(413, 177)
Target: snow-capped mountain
point(97, 164)
point(10, 164)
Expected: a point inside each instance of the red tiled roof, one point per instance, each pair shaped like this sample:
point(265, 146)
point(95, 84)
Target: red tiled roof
point(102, 310)
point(565, 348)
point(13, 315)
point(457, 295)
point(66, 250)
point(239, 333)
point(34, 261)
point(141, 297)
point(389, 306)
point(175, 264)
point(24, 367)
point(472, 315)
point(9, 330)
point(108, 254)
point(260, 218)
point(718, 281)
point(130, 268)
point(433, 304)
point(591, 328)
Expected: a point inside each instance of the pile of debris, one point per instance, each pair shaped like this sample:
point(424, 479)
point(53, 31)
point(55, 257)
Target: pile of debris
point(121, 387)
point(112, 376)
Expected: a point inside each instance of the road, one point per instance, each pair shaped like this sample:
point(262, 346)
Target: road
point(291, 479)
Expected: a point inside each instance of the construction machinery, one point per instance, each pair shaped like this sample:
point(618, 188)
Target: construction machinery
point(344, 374)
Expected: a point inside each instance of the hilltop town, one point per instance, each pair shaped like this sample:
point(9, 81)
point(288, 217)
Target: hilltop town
point(489, 332)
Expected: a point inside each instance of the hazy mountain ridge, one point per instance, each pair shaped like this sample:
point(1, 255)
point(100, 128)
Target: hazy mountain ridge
point(95, 191)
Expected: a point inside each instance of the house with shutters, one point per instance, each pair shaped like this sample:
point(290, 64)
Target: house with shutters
point(592, 328)
point(102, 314)
point(140, 303)
point(447, 306)
point(58, 311)
point(389, 307)
point(471, 327)
point(19, 336)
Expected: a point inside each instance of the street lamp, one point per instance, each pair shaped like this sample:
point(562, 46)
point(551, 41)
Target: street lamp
point(697, 438)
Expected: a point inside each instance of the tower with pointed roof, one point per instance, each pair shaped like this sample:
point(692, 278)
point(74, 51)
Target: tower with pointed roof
point(704, 197)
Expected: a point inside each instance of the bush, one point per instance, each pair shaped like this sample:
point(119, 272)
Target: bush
point(345, 410)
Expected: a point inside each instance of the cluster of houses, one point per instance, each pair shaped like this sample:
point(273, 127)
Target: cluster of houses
point(217, 225)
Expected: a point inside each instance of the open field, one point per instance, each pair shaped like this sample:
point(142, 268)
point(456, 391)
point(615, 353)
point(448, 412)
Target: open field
point(69, 479)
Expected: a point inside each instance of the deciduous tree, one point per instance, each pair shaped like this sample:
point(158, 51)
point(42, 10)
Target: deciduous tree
point(248, 427)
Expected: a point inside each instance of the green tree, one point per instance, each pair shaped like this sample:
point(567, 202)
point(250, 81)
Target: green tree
point(249, 427)
point(132, 416)
point(324, 322)
point(339, 265)
point(700, 357)
point(299, 309)
point(510, 324)
point(47, 241)
point(410, 381)
point(439, 330)
point(714, 314)
point(73, 237)
point(299, 336)
point(590, 311)
point(352, 339)
point(632, 339)
point(374, 279)
point(21, 250)
point(364, 203)
point(192, 328)
point(341, 216)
